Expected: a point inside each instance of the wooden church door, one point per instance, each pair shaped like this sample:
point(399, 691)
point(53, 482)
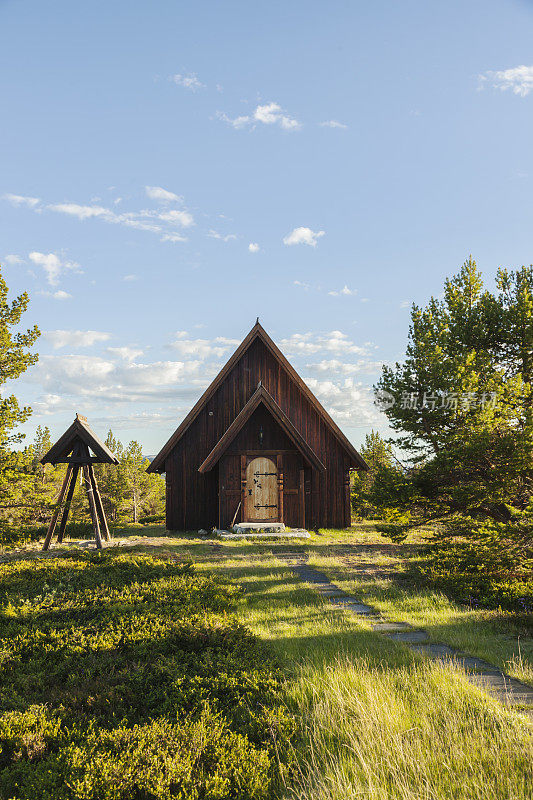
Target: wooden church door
point(261, 501)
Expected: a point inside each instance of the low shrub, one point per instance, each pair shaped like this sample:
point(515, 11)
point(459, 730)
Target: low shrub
point(484, 563)
point(127, 676)
point(152, 518)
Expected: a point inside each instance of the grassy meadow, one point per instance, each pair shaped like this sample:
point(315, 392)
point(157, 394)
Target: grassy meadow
point(355, 714)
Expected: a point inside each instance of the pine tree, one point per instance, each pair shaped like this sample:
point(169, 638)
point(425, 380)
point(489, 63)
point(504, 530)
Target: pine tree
point(134, 469)
point(15, 358)
point(461, 400)
point(111, 480)
point(41, 445)
point(380, 488)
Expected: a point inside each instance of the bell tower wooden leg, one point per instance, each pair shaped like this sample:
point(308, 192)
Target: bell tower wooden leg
point(68, 501)
point(99, 505)
point(53, 521)
point(92, 505)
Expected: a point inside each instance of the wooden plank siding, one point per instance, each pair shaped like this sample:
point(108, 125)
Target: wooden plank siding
point(192, 498)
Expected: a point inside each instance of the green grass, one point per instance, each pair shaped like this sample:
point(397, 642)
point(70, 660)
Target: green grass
point(126, 676)
point(374, 573)
point(375, 721)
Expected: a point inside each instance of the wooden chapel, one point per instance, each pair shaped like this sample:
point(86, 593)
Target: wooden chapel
point(258, 446)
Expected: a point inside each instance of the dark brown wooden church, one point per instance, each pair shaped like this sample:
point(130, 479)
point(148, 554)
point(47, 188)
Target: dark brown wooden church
point(257, 446)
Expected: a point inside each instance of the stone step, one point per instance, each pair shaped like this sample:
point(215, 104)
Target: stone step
point(258, 527)
point(263, 534)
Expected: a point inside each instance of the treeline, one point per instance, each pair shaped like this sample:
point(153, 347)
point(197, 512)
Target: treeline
point(28, 489)
point(129, 493)
point(461, 404)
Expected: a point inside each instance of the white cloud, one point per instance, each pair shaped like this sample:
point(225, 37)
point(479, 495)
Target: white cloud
point(405, 304)
point(182, 218)
point(302, 285)
point(160, 222)
point(518, 79)
point(173, 237)
point(225, 238)
point(61, 338)
point(334, 342)
point(158, 193)
point(253, 247)
point(130, 278)
point(59, 295)
point(267, 114)
point(303, 236)
point(332, 123)
point(235, 122)
point(126, 353)
point(334, 365)
point(344, 291)
point(118, 379)
point(203, 348)
point(188, 81)
point(348, 402)
point(21, 200)
point(82, 212)
point(272, 114)
point(53, 266)
point(13, 259)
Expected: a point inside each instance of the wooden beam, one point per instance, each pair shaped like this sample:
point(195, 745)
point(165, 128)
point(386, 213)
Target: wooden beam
point(301, 498)
point(243, 488)
point(92, 506)
point(53, 521)
point(78, 460)
point(347, 499)
point(99, 505)
point(68, 502)
point(279, 464)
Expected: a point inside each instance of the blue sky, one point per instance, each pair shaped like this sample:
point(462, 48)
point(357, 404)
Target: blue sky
point(169, 171)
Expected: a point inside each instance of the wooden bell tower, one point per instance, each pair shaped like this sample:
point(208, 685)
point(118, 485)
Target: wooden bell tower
point(74, 448)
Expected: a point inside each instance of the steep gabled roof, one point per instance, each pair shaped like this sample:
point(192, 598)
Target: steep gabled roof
point(261, 397)
point(79, 430)
point(257, 332)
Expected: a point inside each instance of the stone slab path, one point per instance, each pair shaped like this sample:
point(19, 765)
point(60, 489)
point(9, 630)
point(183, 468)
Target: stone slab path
point(478, 672)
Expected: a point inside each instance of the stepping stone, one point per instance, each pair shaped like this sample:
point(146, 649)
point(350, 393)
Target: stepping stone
point(507, 690)
point(357, 608)
point(349, 599)
point(409, 637)
point(386, 627)
point(331, 592)
point(477, 664)
point(311, 574)
point(439, 652)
